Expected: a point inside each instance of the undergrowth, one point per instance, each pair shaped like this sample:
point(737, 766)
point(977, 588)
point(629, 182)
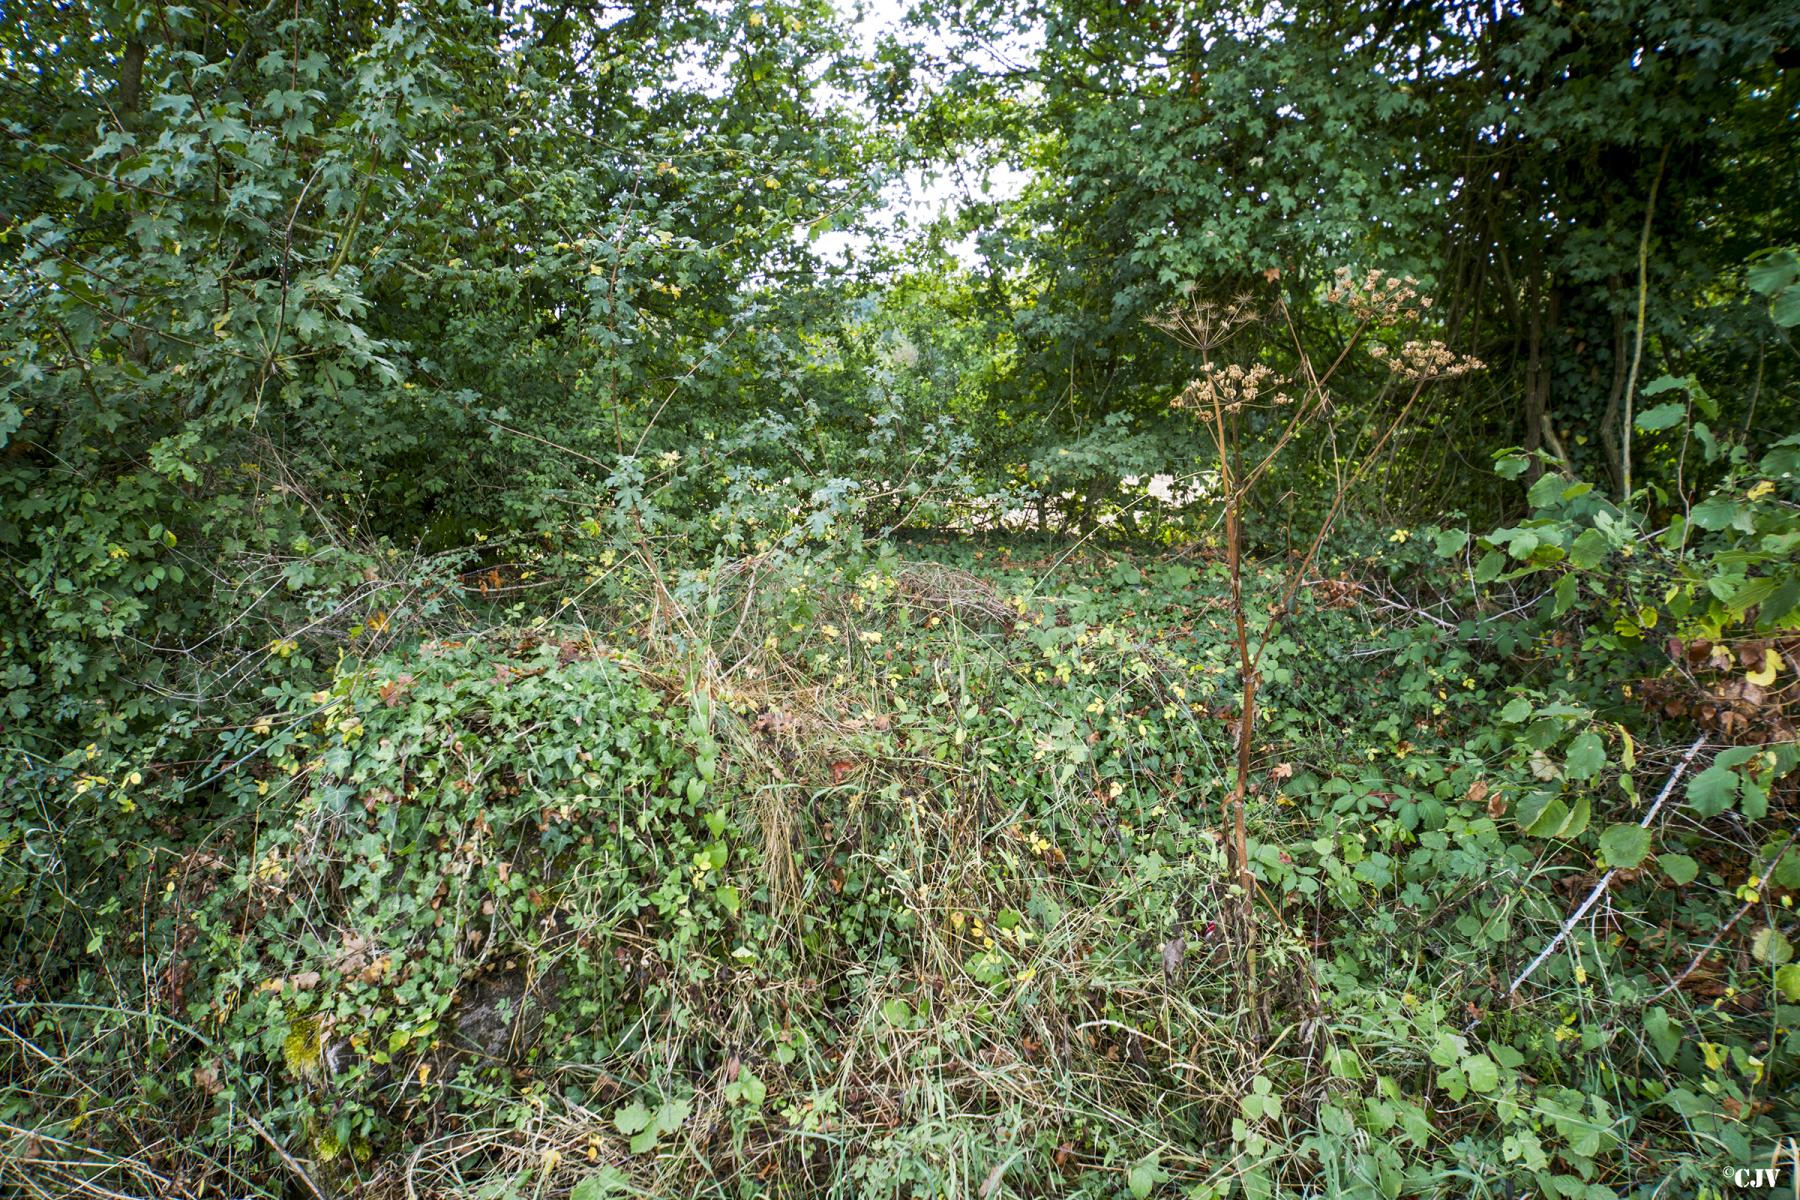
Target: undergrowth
point(896, 871)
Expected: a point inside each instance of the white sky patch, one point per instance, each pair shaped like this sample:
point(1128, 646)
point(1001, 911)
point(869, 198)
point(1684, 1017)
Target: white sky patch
point(923, 195)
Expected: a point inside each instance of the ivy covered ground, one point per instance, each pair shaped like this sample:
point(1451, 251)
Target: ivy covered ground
point(901, 872)
point(934, 600)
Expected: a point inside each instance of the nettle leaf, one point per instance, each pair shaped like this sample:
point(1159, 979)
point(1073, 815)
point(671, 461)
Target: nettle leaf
point(1482, 1073)
point(1625, 845)
point(1713, 790)
point(1716, 513)
point(1546, 491)
point(607, 1181)
point(1663, 416)
point(1786, 309)
point(1775, 273)
point(632, 1118)
point(1144, 1174)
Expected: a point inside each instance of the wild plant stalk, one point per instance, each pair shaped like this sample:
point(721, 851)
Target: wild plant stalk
point(1222, 397)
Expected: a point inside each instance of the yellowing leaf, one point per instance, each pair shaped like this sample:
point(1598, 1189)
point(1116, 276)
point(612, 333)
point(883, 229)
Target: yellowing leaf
point(1772, 663)
point(1771, 946)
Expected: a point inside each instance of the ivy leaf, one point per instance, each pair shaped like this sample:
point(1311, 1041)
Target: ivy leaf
point(1625, 845)
point(1664, 1036)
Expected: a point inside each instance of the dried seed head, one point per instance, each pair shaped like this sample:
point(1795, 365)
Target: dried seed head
point(1230, 388)
point(1378, 297)
point(1422, 361)
point(1205, 325)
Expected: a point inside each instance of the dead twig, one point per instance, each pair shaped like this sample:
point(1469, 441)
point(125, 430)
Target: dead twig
point(1726, 928)
point(1606, 879)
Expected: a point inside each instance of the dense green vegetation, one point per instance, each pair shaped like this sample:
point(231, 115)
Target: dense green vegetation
point(555, 646)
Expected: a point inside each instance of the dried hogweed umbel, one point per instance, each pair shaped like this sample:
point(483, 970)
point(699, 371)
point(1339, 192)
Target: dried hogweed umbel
point(1379, 298)
point(1204, 325)
point(1230, 388)
point(1425, 360)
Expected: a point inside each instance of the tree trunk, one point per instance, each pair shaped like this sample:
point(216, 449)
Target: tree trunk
point(131, 76)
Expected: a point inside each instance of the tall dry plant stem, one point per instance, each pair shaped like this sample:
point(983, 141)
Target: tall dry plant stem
point(1227, 398)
